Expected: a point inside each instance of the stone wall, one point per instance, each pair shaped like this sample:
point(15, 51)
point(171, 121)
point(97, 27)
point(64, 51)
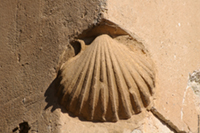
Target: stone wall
point(34, 34)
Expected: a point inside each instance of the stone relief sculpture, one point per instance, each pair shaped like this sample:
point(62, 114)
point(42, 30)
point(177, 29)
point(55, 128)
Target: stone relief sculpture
point(107, 80)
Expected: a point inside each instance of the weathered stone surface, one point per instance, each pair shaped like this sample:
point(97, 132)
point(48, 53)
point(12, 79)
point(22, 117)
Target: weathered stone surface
point(169, 30)
point(194, 82)
point(189, 114)
point(71, 125)
point(32, 36)
point(145, 122)
point(153, 125)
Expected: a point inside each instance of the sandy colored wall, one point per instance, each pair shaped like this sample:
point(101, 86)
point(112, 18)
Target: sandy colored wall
point(170, 31)
point(33, 34)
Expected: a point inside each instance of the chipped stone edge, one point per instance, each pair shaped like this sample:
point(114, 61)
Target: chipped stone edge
point(168, 123)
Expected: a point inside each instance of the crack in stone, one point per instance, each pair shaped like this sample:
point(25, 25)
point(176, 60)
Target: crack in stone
point(168, 123)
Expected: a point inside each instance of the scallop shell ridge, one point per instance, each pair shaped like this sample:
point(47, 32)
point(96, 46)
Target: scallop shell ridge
point(105, 82)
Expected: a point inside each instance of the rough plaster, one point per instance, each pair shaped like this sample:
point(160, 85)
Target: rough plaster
point(34, 34)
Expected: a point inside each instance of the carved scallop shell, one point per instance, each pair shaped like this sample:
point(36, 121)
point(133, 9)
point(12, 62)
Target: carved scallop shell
point(105, 82)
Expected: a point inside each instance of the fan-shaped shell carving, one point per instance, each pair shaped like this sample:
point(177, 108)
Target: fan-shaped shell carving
point(105, 82)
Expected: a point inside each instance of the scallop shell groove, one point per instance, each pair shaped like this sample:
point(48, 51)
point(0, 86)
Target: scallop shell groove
point(105, 82)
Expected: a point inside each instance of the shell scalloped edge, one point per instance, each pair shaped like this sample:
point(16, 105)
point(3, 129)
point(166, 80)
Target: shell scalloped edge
point(106, 81)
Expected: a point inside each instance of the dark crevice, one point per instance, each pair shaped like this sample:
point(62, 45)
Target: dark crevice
point(15, 129)
point(22, 128)
point(76, 46)
point(103, 27)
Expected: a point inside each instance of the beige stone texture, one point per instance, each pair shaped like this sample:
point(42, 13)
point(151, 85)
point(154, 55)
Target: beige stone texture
point(170, 31)
point(71, 125)
point(144, 123)
point(33, 34)
point(189, 115)
point(153, 125)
